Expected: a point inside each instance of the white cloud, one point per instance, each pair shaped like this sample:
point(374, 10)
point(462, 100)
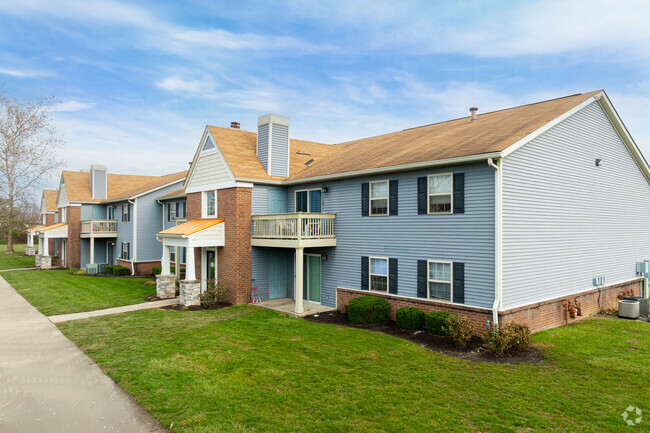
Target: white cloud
point(73, 106)
point(178, 84)
point(25, 73)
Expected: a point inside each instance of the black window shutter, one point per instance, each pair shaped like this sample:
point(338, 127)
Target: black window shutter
point(365, 198)
point(364, 272)
point(169, 211)
point(459, 192)
point(459, 282)
point(392, 276)
point(128, 250)
point(393, 197)
point(422, 279)
point(422, 195)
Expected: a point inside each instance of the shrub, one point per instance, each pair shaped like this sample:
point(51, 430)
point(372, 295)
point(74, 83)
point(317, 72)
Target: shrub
point(121, 270)
point(459, 329)
point(435, 322)
point(409, 318)
point(214, 295)
point(509, 337)
point(365, 310)
point(108, 269)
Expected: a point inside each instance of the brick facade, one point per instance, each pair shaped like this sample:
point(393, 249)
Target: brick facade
point(234, 259)
point(538, 316)
point(143, 268)
point(73, 243)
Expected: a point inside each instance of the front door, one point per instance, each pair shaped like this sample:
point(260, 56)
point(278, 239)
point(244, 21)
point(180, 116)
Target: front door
point(109, 252)
point(277, 276)
point(311, 278)
point(210, 265)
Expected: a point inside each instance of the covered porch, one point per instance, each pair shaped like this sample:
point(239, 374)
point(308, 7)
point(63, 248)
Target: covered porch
point(288, 306)
point(45, 233)
point(30, 248)
point(205, 235)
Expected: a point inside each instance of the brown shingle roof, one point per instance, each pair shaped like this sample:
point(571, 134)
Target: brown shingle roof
point(77, 185)
point(173, 194)
point(493, 132)
point(239, 147)
point(50, 199)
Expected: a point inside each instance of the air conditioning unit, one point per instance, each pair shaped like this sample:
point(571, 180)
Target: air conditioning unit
point(101, 268)
point(628, 309)
point(92, 268)
point(643, 268)
point(644, 304)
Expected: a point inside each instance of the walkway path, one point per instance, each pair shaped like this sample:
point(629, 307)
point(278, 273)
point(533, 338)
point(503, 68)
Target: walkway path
point(19, 269)
point(48, 385)
point(117, 310)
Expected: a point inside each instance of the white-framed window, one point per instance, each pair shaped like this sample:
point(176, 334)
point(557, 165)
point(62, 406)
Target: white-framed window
point(440, 276)
point(309, 200)
point(379, 198)
point(43, 218)
point(209, 204)
point(171, 211)
point(64, 214)
point(378, 274)
point(110, 213)
point(172, 255)
point(439, 194)
point(208, 146)
point(125, 251)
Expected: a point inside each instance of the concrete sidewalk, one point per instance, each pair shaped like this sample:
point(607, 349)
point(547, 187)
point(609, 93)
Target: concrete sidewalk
point(117, 310)
point(48, 385)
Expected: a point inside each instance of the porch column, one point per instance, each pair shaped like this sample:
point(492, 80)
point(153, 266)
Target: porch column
point(298, 292)
point(45, 247)
point(92, 251)
point(165, 261)
point(177, 262)
point(40, 246)
point(30, 239)
point(190, 275)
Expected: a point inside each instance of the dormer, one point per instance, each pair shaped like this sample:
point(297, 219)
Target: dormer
point(98, 183)
point(273, 144)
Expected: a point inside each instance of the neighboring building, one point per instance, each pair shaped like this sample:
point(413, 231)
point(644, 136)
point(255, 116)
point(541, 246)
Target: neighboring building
point(107, 218)
point(48, 216)
point(497, 217)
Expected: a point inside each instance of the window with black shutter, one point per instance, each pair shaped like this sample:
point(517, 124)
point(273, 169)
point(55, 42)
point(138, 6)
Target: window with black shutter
point(364, 272)
point(365, 198)
point(459, 282)
point(392, 276)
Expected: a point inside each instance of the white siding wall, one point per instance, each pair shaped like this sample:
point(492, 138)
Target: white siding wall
point(63, 196)
point(210, 168)
point(565, 220)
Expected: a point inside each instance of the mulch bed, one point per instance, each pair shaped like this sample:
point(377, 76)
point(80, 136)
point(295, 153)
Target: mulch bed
point(178, 307)
point(474, 350)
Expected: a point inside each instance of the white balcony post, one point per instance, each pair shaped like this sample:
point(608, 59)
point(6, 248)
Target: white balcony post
point(299, 277)
point(40, 246)
point(189, 265)
point(45, 247)
point(165, 261)
point(177, 262)
point(92, 250)
point(30, 239)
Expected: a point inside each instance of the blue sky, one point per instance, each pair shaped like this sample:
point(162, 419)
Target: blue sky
point(138, 82)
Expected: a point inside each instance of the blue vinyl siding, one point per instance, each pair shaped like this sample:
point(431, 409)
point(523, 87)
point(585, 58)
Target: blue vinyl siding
point(260, 204)
point(409, 237)
point(263, 145)
point(260, 269)
point(279, 150)
point(150, 222)
point(170, 224)
point(565, 220)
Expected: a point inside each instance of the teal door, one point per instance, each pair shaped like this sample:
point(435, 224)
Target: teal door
point(277, 201)
point(311, 278)
point(277, 276)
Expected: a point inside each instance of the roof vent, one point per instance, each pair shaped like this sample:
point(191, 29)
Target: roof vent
point(473, 111)
point(234, 125)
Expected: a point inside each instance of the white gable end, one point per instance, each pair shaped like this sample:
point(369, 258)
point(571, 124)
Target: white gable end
point(209, 168)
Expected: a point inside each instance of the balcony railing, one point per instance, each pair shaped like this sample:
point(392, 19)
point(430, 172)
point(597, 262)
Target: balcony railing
point(297, 225)
point(99, 228)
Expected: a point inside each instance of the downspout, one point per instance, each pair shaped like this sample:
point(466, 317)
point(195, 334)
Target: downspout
point(498, 236)
point(135, 234)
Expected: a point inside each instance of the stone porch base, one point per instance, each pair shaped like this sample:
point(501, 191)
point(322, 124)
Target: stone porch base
point(30, 251)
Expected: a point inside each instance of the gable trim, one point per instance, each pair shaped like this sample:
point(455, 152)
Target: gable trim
point(197, 154)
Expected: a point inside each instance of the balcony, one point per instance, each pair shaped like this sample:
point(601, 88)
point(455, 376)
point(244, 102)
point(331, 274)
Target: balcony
point(99, 229)
point(294, 230)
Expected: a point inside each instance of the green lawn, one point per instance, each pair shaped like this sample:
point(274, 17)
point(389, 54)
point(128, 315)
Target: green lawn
point(15, 260)
point(245, 369)
point(58, 292)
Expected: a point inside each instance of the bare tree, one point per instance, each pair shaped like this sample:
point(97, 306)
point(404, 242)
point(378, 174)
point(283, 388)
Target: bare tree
point(28, 145)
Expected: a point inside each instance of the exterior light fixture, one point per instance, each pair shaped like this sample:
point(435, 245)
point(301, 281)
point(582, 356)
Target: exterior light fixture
point(324, 189)
point(599, 162)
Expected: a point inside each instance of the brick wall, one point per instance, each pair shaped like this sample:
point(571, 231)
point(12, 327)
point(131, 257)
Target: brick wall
point(73, 244)
point(234, 259)
point(539, 316)
point(144, 268)
point(478, 316)
point(550, 314)
point(193, 206)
